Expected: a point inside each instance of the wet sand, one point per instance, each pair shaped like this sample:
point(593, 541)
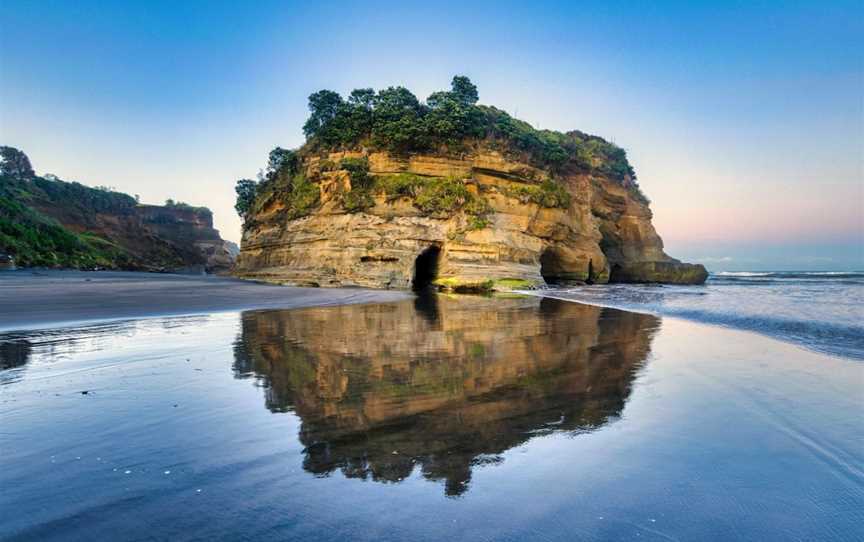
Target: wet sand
point(45, 298)
point(442, 418)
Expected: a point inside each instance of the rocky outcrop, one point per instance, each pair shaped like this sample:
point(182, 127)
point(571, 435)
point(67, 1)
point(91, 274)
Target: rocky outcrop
point(604, 233)
point(190, 227)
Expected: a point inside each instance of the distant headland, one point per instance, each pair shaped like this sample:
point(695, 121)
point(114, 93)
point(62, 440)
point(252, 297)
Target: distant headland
point(47, 222)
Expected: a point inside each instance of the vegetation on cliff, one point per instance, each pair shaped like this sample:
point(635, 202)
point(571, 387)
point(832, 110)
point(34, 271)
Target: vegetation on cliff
point(393, 119)
point(35, 240)
point(15, 164)
point(182, 205)
point(283, 180)
point(452, 121)
point(438, 197)
point(48, 222)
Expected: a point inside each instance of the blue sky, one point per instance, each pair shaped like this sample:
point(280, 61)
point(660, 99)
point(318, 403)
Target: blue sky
point(744, 121)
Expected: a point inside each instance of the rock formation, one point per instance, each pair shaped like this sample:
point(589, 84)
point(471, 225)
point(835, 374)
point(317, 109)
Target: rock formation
point(389, 192)
point(604, 234)
point(190, 227)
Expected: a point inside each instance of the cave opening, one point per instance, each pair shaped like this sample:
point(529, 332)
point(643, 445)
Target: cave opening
point(615, 273)
point(426, 268)
point(550, 267)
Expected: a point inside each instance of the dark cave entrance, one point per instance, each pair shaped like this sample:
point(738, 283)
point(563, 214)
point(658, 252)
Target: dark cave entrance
point(553, 270)
point(426, 268)
point(550, 267)
point(615, 274)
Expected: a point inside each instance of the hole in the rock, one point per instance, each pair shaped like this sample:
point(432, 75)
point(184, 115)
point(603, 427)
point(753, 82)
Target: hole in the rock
point(550, 267)
point(426, 268)
point(615, 273)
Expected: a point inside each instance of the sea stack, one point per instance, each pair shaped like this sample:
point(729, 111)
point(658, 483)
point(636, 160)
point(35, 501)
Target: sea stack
point(499, 206)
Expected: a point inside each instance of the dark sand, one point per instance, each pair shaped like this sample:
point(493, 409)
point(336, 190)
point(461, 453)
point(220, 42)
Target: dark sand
point(427, 419)
point(42, 298)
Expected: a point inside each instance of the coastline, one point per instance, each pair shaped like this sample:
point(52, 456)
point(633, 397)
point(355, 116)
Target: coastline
point(813, 311)
point(38, 299)
point(45, 298)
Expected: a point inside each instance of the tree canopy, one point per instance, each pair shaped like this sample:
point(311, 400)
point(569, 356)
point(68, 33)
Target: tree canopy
point(246, 190)
point(14, 163)
point(394, 119)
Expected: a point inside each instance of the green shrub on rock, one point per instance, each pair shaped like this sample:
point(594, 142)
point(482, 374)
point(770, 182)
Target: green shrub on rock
point(303, 198)
point(549, 193)
point(441, 196)
point(358, 171)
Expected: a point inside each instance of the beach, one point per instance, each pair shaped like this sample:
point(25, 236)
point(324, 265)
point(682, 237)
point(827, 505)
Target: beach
point(43, 298)
point(423, 418)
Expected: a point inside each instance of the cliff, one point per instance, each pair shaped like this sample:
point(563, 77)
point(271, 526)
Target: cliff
point(603, 233)
point(190, 227)
point(52, 223)
point(392, 193)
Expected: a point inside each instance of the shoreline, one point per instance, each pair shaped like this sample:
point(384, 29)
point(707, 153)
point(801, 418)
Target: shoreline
point(46, 299)
point(742, 324)
point(43, 298)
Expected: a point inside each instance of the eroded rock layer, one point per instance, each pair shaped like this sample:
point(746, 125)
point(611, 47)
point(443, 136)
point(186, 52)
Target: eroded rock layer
point(604, 233)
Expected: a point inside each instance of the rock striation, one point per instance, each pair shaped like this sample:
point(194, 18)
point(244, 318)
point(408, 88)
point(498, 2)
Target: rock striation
point(190, 227)
point(601, 233)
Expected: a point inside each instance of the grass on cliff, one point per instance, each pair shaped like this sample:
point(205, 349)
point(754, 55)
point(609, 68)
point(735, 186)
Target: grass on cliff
point(438, 197)
point(299, 194)
point(303, 198)
point(547, 194)
point(35, 240)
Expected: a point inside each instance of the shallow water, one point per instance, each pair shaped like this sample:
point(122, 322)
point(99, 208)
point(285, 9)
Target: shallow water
point(458, 418)
point(822, 311)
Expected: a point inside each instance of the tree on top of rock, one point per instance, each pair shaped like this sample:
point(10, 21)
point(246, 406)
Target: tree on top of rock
point(396, 120)
point(464, 90)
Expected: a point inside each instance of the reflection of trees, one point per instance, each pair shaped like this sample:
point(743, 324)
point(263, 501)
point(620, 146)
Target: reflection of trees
point(446, 385)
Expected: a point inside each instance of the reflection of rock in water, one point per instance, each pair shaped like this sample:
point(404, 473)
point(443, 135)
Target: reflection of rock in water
point(14, 353)
point(446, 384)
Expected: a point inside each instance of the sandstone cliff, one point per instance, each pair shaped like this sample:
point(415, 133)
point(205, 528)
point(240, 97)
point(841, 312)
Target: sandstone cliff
point(602, 234)
point(391, 192)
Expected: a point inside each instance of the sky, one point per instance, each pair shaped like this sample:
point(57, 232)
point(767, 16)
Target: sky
point(744, 120)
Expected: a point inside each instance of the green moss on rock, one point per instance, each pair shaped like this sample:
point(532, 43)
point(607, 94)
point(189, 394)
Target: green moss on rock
point(549, 193)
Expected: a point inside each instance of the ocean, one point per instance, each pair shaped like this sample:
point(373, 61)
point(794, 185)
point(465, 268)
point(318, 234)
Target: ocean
point(821, 311)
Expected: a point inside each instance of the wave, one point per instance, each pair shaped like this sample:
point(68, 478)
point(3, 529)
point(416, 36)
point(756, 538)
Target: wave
point(789, 274)
point(816, 316)
point(749, 278)
point(740, 274)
